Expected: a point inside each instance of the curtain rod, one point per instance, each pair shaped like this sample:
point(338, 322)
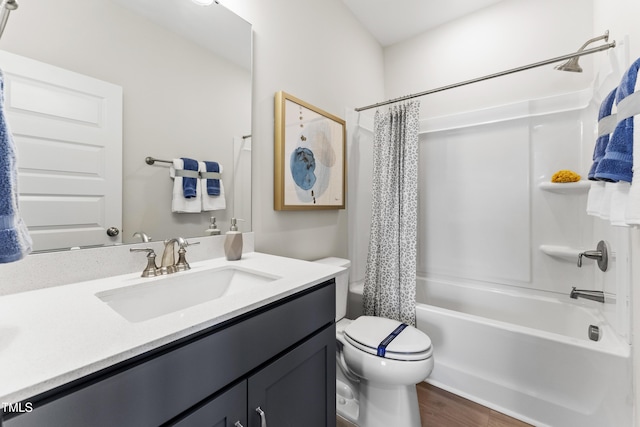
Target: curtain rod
point(491, 76)
point(6, 6)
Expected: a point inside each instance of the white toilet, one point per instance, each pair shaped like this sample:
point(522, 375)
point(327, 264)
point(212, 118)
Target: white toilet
point(379, 362)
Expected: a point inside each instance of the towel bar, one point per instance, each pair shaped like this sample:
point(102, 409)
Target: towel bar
point(151, 160)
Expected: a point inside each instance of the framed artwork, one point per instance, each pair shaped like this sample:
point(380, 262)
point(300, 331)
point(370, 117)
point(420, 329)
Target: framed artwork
point(309, 158)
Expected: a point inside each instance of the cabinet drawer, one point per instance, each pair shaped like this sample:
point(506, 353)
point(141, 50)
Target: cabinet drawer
point(153, 391)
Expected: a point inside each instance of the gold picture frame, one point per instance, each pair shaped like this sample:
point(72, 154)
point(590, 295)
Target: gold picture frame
point(309, 157)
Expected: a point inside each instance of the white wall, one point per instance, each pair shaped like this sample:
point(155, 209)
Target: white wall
point(506, 35)
point(319, 53)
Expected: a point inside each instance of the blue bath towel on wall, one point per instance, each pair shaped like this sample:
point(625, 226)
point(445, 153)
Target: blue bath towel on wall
point(606, 125)
point(189, 185)
point(15, 242)
point(213, 185)
point(617, 163)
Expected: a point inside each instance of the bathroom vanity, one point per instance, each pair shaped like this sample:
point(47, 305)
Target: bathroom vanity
point(272, 361)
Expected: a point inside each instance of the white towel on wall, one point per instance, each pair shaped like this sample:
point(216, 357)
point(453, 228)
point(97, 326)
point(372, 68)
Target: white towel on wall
point(211, 203)
point(179, 203)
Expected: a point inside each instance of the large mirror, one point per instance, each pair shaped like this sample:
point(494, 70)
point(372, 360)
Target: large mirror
point(185, 74)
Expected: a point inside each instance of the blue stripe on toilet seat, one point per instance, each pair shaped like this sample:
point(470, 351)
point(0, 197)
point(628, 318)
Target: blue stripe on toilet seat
point(382, 347)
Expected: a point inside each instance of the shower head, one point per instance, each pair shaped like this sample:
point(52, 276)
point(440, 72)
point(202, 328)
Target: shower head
point(572, 64)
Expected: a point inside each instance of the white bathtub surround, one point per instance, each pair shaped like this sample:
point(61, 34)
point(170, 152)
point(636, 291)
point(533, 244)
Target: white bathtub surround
point(389, 289)
point(514, 233)
point(526, 355)
point(498, 225)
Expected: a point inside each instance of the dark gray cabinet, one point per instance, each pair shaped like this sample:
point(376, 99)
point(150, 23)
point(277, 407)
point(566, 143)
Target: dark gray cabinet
point(279, 358)
point(228, 409)
point(289, 390)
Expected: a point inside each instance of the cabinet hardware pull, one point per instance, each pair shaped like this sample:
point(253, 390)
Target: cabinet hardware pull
point(263, 417)
point(237, 424)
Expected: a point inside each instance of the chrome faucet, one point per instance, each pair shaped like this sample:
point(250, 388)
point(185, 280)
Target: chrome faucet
point(597, 296)
point(151, 270)
point(169, 264)
point(145, 238)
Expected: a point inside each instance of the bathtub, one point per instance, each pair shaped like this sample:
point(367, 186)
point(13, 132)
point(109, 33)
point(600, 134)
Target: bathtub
point(527, 356)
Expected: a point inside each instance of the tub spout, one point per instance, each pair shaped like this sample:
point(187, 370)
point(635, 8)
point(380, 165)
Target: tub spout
point(592, 295)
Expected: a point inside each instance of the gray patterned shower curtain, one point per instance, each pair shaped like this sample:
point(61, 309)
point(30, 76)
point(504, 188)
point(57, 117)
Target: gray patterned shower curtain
point(390, 278)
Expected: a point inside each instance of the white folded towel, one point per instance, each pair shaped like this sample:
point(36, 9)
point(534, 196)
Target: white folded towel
point(594, 199)
point(211, 203)
point(179, 203)
point(618, 207)
point(605, 205)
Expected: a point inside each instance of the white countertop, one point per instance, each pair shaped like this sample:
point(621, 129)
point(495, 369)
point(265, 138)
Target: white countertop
point(52, 336)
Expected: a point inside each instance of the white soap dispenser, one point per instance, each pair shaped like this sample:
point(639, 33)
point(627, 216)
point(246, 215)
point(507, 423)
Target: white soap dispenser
point(233, 242)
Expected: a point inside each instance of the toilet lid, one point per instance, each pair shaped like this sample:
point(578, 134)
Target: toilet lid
point(388, 338)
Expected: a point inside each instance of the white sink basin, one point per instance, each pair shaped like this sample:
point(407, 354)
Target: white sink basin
point(159, 296)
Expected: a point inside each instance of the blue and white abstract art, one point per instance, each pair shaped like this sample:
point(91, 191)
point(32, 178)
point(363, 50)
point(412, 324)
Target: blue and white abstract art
point(314, 158)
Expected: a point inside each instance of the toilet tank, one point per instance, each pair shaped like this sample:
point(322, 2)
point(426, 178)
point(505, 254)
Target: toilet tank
point(342, 284)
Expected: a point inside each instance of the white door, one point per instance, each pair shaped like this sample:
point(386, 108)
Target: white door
point(68, 133)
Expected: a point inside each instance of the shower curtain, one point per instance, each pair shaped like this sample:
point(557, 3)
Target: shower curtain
point(390, 277)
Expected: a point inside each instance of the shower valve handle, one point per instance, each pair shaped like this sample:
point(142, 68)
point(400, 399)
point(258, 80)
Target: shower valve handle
point(590, 255)
point(601, 254)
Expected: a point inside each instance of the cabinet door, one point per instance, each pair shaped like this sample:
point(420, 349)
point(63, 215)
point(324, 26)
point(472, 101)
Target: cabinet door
point(297, 389)
point(226, 410)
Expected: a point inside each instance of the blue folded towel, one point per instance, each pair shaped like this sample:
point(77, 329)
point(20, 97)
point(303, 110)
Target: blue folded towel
point(617, 163)
point(15, 242)
point(189, 185)
point(213, 185)
point(606, 124)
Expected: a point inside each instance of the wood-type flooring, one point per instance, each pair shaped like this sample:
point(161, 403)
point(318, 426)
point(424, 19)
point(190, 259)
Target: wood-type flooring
point(439, 408)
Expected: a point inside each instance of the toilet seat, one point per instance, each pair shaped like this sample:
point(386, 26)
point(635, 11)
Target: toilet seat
point(367, 333)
